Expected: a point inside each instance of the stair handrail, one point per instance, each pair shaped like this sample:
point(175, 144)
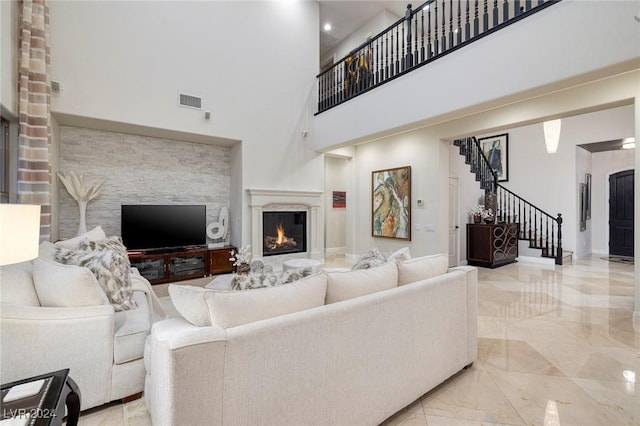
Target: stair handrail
point(555, 250)
point(424, 34)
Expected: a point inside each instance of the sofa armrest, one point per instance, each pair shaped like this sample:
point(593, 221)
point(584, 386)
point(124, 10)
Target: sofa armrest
point(471, 274)
point(36, 340)
point(185, 373)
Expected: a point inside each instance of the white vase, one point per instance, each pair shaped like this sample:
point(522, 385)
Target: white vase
point(82, 228)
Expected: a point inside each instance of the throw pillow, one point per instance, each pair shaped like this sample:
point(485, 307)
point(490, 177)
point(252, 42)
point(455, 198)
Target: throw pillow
point(233, 308)
point(347, 285)
point(370, 259)
point(59, 285)
point(422, 268)
point(16, 285)
point(47, 250)
point(400, 254)
point(96, 234)
point(253, 280)
point(108, 260)
point(189, 302)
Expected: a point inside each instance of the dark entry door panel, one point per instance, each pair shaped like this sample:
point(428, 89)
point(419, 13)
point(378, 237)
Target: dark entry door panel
point(621, 213)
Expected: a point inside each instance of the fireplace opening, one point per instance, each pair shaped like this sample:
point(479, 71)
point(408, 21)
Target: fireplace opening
point(284, 232)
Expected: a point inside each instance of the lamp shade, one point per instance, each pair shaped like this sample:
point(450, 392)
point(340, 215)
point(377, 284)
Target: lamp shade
point(19, 232)
point(552, 134)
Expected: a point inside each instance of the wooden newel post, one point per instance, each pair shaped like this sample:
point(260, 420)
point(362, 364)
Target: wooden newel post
point(559, 252)
point(409, 56)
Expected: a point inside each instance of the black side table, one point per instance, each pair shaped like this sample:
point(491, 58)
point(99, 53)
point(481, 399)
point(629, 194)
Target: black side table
point(47, 407)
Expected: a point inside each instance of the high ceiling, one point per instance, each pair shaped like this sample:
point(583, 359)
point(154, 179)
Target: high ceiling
point(347, 16)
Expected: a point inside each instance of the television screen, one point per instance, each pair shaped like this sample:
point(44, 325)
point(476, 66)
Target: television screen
point(163, 226)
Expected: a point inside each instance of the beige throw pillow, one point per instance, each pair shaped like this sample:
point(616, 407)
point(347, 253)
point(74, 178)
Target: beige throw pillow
point(347, 285)
point(96, 234)
point(189, 302)
point(422, 268)
point(59, 285)
point(202, 307)
point(16, 285)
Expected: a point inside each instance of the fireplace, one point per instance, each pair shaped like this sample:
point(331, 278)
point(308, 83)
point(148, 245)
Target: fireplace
point(284, 232)
point(275, 201)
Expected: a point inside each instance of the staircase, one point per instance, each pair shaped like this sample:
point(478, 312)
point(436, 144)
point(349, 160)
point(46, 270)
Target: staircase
point(540, 229)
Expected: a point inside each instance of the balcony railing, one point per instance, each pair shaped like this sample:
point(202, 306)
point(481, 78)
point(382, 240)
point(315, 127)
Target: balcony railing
point(425, 34)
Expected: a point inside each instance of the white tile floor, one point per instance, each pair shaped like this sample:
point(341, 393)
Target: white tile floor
point(557, 346)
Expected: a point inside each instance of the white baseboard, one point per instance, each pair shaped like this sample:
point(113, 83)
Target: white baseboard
point(332, 250)
point(600, 252)
point(541, 260)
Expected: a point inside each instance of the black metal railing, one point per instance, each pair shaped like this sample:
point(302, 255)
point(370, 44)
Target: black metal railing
point(427, 33)
point(542, 230)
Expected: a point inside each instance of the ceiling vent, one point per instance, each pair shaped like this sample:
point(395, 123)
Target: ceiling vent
point(190, 101)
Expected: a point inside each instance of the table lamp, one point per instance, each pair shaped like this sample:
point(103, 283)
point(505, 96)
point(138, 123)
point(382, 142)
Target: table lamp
point(19, 232)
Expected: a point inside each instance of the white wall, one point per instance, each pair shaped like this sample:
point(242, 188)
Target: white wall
point(556, 47)
point(253, 64)
point(583, 238)
point(336, 175)
point(9, 55)
point(428, 157)
point(373, 27)
point(604, 164)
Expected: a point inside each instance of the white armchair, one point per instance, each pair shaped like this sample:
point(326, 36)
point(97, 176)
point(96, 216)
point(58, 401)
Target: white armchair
point(102, 348)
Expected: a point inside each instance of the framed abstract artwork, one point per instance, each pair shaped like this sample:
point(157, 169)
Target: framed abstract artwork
point(339, 199)
point(496, 150)
point(391, 203)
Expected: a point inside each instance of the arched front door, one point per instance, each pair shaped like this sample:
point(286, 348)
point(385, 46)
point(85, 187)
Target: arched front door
point(621, 213)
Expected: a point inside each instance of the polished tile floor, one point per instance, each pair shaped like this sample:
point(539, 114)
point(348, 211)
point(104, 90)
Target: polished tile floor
point(557, 346)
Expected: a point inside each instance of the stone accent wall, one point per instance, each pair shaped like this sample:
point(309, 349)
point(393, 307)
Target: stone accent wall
point(139, 170)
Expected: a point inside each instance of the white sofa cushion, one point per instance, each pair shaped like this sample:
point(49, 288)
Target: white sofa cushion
point(59, 285)
point(422, 268)
point(96, 234)
point(232, 308)
point(16, 285)
point(131, 331)
point(202, 307)
point(47, 250)
point(347, 285)
point(401, 254)
point(189, 302)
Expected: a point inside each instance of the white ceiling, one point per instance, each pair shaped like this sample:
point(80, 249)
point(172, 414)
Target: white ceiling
point(346, 16)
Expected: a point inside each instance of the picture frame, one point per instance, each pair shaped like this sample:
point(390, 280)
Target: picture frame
point(339, 199)
point(391, 203)
point(583, 207)
point(496, 150)
point(587, 179)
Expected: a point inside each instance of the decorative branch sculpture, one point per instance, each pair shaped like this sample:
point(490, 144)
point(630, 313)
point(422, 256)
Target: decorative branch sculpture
point(81, 192)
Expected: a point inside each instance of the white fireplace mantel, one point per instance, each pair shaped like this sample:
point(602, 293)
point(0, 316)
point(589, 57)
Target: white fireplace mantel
point(261, 200)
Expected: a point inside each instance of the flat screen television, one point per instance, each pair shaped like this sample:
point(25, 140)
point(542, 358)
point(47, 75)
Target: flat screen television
point(163, 227)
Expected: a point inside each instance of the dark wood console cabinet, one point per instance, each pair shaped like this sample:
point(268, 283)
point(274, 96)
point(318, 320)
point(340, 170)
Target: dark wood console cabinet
point(492, 245)
point(181, 265)
point(219, 262)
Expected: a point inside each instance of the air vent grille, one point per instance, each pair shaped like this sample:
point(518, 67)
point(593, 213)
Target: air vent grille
point(190, 101)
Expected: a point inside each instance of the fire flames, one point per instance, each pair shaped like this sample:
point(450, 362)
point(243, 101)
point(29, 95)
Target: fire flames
point(281, 238)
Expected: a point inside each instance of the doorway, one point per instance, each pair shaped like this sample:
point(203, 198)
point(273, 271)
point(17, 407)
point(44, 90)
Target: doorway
point(454, 223)
point(621, 224)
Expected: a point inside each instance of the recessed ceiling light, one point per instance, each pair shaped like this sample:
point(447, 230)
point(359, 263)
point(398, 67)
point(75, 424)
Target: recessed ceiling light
point(327, 27)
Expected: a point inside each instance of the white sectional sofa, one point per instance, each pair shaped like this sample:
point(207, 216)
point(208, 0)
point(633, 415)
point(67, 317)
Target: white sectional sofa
point(384, 337)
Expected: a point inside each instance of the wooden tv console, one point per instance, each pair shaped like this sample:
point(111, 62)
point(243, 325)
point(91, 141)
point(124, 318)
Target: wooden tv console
point(184, 264)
